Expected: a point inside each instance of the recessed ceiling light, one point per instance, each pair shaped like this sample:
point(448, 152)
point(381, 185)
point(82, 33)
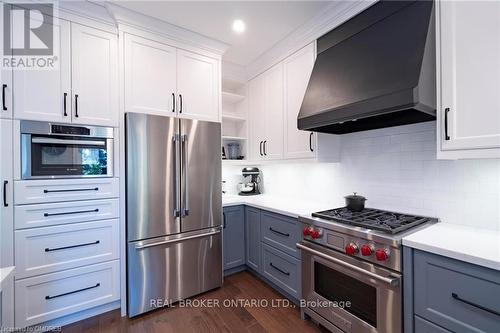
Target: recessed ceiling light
point(239, 26)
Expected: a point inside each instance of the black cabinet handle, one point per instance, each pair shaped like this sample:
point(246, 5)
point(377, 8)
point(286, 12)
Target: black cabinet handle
point(4, 106)
point(71, 246)
point(224, 220)
point(446, 136)
point(5, 204)
point(173, 102)
point(76, 105)
point(73, 292)
point(310, 142)
point(260, 148)
point(279, 232)
point(279, 269)
point(458, 298)
point(180, 103)
point(64, 104)
point(69, 213)
point(72, 190)
point(265, 142)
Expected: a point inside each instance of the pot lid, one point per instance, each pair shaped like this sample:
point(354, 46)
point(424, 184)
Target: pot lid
point(355, 196)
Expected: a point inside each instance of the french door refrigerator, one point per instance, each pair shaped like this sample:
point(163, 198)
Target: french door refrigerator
point(174, 209)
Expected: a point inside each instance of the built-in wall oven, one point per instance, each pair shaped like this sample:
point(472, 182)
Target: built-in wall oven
point(51, 150)
point(353, 295)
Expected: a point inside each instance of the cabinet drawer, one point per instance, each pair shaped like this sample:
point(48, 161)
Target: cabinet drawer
point(50, 296)
point(282, 269)
point(423, 326)
point(281, 232)
point(41, 215)
point(50, 249)
point(455, 295)
point(58, 190)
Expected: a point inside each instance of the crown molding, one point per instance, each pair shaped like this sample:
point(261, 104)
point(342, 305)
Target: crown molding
point(134, 22)
point(233, 72)
point(335, 14)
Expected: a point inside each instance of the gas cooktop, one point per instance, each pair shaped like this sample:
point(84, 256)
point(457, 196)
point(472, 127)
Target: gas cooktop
point(374, 219)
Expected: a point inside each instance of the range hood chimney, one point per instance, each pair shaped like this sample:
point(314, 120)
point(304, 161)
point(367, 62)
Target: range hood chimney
point(375, 70)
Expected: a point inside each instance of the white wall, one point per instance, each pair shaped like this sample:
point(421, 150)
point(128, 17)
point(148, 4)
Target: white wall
point(396, 169)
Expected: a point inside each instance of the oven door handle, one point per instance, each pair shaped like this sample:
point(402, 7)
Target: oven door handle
point(70, 142)
point(392, 281)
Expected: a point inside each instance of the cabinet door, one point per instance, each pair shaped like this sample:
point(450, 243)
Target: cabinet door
point(298, 68)
point(94, 55)
point(233, 237)
point(469, 56)
point(5, 77)
point(6, 203)
point(257, 111)
point(252, 238)
point(150, 76)
point(45, 95)
point(198, 86)
point(273, 140)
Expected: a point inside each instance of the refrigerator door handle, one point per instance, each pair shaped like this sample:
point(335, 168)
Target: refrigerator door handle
point(185, 210)
point(177, 174)
point(177, 240)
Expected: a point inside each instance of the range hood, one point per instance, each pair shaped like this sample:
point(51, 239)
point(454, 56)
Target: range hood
point(375, 70)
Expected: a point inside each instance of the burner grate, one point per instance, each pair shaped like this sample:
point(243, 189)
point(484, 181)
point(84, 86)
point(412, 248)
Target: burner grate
point(375, 219)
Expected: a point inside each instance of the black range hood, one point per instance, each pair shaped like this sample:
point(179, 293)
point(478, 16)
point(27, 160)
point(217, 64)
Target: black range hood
point(375, 70)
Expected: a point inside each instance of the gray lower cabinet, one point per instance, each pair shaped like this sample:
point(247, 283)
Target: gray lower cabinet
point(451, 294)
point(281, 232)
point(283, 270)
point(234, 237)
point(424, 326)
point(252, 233)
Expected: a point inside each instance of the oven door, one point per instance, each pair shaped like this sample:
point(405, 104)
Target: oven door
point(59, 156)
point(331, 279)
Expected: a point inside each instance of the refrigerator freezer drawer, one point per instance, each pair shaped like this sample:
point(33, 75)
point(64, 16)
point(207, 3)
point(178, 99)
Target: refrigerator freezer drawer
point(167, 269)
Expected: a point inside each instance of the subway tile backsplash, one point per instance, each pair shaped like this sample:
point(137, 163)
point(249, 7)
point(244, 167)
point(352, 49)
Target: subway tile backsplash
point(396, 169)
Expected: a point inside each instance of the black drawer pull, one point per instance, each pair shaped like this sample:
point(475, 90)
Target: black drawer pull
point(5, 204)
point(71, 246)
point(279, 232)
point(446, 136)
point(72, 292)
point(4, 107)
point(310, 141)
point(64, 105)
point(75, 212)
point(279, 269)
point(76, 105)
point(455, 296)
point(72, 190)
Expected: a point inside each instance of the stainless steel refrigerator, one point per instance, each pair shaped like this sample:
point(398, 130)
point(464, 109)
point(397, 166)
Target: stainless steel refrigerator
point(174, 209)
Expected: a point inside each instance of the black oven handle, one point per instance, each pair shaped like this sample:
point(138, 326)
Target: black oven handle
point(68, 142)
point(391, 281)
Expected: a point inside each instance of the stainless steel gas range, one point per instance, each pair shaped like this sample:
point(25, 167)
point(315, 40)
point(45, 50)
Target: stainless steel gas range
point(352, 268)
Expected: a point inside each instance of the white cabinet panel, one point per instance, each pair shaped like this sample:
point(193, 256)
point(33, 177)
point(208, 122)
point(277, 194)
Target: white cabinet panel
point(94, 56)
point(198, 86)
point(273, 140)
point(5, 77)
point(45, 95)
point(50, 249)
point(6, 202)
point(469, 73)
point(297, 68)
point(54, 295)
point(150, 76)
point(257, 95)
point(60, 190)
point(42, 215)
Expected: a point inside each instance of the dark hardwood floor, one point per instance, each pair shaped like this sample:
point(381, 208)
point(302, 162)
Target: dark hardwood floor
point(241, 288)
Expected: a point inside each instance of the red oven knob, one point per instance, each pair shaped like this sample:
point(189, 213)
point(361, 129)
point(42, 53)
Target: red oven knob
point(307, 231)
point(315, 234)
point(351, 249)
point(382, 254)
point(367, 250)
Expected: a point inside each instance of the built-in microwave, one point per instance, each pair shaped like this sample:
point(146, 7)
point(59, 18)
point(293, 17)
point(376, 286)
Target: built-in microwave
point(51, 150)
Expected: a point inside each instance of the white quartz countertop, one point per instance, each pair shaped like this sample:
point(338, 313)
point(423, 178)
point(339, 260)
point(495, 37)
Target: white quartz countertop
point(284, 206)
point(474, 245)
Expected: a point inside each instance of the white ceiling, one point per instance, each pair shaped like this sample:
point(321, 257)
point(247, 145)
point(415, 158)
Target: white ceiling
point(267, 22)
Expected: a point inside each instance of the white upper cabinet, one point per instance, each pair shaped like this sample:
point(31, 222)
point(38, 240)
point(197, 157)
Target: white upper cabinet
point(298, 68)
point(198, 86)
point(468, 54)
point(273, 140)
point(6, 201)
point(94, 76)
point(257, 95)
point(45, 95)
point(5, 79)
point(150, 76)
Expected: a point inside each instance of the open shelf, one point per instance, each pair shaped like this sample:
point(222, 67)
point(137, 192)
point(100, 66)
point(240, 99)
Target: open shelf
point(231, 98)
point(227, 137)
point(231, 117)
